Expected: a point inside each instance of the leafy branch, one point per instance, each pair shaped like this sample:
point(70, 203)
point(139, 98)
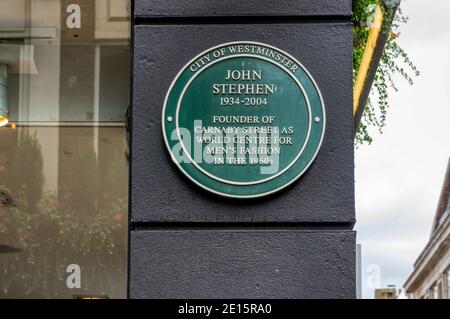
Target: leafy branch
point(394, 63)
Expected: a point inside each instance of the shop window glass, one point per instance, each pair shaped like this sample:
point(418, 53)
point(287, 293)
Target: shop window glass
point(64, 94)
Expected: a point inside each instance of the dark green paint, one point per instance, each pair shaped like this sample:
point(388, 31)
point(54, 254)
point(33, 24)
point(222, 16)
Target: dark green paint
point(267, 83)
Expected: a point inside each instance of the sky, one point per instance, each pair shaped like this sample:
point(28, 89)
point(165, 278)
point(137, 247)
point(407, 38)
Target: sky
point(400, 175)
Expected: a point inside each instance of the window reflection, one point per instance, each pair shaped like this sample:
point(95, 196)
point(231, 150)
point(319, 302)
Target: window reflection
point(63, 165)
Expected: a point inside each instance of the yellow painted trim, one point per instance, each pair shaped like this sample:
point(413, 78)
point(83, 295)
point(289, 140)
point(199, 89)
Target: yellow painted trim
point(3, 121)
point(367, 58)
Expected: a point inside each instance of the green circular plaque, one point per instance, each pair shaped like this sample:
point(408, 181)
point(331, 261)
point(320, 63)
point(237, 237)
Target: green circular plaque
point(243, 119)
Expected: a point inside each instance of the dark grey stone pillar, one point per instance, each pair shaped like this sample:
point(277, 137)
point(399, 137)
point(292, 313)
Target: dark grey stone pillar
point(188, 243)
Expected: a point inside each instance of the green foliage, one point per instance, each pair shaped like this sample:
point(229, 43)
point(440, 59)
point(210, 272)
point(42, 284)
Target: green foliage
point(84, 222)
point(25, 167)
point(55, 236)
point(394, 63)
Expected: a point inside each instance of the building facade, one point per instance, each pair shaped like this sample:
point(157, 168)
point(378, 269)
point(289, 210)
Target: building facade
point(93, 199)
point(386, 293)
point(431, 276)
